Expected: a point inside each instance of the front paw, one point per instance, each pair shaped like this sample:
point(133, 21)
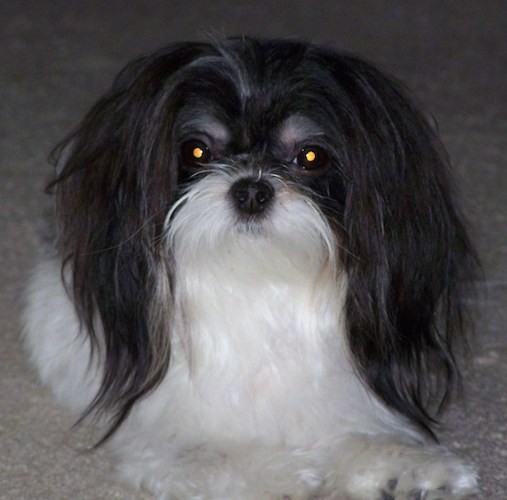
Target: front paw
point(436, 476)
point(393, 471)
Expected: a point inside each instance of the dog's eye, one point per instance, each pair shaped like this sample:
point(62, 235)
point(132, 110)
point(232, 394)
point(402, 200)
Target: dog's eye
point(311, 158)
point(195, 153)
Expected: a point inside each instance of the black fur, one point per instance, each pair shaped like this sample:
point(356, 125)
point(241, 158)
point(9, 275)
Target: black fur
point(387, 192)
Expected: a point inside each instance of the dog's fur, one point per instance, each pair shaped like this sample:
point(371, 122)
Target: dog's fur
point(258, 278)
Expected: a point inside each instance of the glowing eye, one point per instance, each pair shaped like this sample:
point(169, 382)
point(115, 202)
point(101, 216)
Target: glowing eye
point(195, 153)
point(312, 158)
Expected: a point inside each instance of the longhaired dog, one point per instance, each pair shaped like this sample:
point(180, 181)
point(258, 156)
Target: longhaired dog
point(257, 278)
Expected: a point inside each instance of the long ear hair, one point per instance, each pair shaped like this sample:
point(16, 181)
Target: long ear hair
point(408, 255)
point(118, 180)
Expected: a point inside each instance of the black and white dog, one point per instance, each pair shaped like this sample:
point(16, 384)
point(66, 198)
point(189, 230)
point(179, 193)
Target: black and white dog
point(258, 278)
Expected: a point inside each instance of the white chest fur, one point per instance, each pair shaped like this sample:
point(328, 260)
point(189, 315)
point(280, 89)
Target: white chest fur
point(258, 349)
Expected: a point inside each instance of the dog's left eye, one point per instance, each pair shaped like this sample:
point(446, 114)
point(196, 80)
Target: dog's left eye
point(195, 153)
point(311, 158)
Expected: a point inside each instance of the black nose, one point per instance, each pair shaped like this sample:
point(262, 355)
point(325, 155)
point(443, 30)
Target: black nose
point(251, 196)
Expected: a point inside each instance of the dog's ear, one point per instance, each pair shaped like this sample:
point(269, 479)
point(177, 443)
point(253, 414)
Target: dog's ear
point(115, 182)
point(408, 252)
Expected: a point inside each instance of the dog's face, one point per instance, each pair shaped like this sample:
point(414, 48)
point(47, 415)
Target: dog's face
point(295, 150)
point(258, 146)
point(279, 124)
point(269, 201)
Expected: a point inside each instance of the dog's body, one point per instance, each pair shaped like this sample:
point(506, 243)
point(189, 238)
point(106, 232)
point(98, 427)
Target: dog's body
point(216, 211)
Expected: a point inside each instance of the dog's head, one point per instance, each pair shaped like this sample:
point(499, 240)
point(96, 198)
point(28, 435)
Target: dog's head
point(310, 153)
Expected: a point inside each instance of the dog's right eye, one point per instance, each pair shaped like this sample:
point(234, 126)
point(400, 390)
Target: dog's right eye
point(195, 153)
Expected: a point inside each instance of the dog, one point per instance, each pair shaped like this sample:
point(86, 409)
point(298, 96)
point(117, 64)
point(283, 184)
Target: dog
point(256, 278)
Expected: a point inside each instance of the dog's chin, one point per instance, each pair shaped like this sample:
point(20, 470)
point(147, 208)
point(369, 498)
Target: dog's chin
point(290, 236)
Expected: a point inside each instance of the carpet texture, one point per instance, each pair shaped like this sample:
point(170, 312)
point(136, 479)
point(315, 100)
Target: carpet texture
point(57, 57)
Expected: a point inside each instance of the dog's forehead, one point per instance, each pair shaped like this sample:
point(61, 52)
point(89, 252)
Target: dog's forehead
point(207, 124)
point(297, 128)
point(288, 132)
point(247, 105)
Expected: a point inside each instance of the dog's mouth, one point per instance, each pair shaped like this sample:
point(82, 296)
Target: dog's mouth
point(250, 219)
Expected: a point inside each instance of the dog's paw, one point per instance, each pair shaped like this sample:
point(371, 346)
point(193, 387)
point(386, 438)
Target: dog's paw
point(393, 471)
point(436, 477)
point(423, 477)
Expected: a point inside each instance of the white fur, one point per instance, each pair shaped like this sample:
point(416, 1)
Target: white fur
point(261, 399)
